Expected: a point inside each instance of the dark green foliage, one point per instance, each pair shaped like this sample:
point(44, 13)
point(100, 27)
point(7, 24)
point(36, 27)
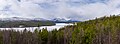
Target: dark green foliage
point(105, 30)
point(44, 36)
point(8, 24)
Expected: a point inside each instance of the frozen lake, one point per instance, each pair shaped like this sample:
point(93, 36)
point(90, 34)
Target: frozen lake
point(49, 28)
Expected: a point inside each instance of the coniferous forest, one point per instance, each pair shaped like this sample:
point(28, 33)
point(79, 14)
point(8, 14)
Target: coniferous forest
point(104, 30)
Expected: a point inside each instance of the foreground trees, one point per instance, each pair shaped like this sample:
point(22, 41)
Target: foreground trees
point(105, 30)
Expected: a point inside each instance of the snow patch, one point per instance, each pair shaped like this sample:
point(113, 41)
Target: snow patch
point(49, 28)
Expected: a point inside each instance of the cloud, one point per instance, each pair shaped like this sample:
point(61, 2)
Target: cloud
point(71, 9)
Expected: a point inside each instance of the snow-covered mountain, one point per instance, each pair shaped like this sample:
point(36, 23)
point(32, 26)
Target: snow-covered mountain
point(57, 20)
point(66, 20)
point(21, 19)
point(13, 19)
point(60, 19)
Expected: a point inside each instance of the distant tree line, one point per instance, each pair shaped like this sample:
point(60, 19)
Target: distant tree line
point(104, 30)
point(9, 24)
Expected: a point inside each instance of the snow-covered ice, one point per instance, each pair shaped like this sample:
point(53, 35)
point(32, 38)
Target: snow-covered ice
point(49, 28)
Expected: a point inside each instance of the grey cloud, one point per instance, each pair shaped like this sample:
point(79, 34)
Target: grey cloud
point(72, 9)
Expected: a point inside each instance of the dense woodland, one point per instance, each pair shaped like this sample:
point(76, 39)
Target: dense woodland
point(9, 24)
point(104, 30)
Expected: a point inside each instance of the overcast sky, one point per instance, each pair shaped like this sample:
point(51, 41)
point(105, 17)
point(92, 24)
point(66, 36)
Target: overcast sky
point(69, 9)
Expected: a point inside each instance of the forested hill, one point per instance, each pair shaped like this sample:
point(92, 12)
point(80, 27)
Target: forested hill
point(34, 23)
point(104, 30)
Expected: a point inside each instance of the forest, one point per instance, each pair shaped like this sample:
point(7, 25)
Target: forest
point(10, 24)
point(104, 30)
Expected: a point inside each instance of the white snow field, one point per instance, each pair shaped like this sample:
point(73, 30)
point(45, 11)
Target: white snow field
point(49, 28)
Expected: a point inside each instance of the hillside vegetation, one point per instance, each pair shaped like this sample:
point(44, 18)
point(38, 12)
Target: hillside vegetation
point(104, 30)
point(9, 24)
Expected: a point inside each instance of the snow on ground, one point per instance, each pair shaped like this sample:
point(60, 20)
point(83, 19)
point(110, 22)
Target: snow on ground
point(49, 28)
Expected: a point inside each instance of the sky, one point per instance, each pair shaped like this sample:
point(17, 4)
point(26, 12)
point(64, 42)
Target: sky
point(67, 9)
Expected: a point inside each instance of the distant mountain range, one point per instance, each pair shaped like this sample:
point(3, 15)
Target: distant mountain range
point(31, 22)
point(57, 20)
point(21, 19)
point(63, 20)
